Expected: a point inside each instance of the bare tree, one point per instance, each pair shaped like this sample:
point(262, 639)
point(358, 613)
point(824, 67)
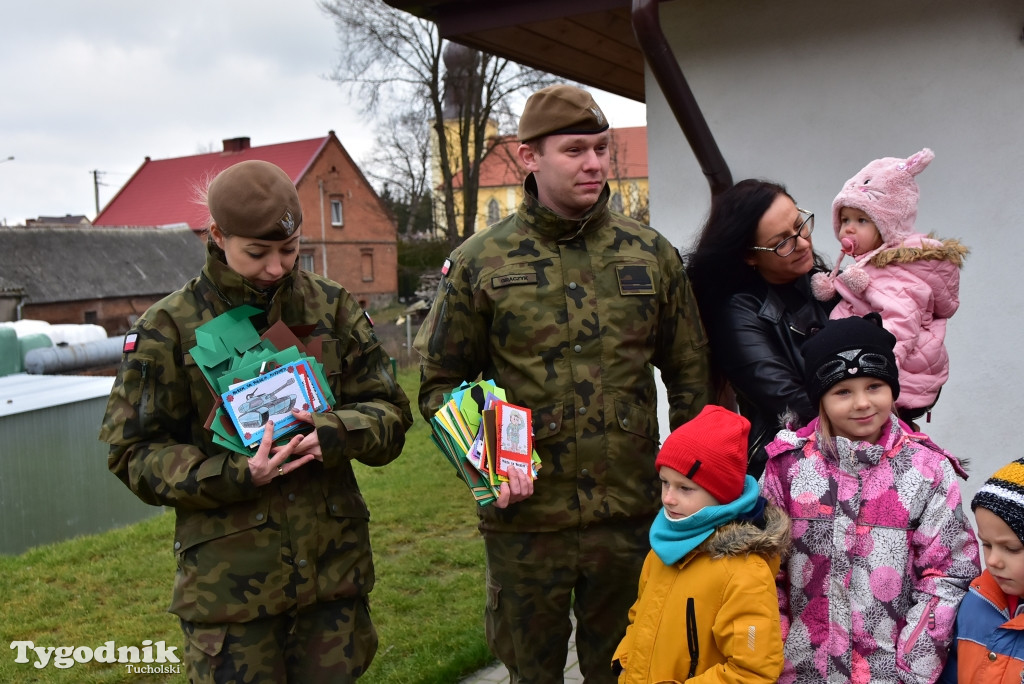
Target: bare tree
point(396, 62)
point(401, 161)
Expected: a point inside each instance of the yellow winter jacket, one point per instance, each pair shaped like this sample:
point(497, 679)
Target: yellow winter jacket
point(727, 588)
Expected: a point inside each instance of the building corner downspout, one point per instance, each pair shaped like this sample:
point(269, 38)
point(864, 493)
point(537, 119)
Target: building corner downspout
point(323, 228)
point(665, 67)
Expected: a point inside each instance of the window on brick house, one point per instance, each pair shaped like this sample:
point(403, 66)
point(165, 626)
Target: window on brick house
point(492, 211)
point(306, 262)
point(337, 215)
point(616, 202)
point(90, 317)
point(366, 264)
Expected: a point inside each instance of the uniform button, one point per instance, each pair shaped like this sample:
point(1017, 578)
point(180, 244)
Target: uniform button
point(334, 508)
point(552, 426)
point(585, 473)
point(302, 563)
point(291, 497)
point(625, 422)
point(572, 286)
point(578, 348)
point(992, 656)
point(177, 545)
point(259, 516)
point(583, 410)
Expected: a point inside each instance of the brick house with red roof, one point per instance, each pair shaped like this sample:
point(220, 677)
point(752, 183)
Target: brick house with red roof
point(501, 177)
point(347, 233)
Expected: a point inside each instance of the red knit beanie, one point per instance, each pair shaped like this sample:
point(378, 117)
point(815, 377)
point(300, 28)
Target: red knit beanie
point(711, 450)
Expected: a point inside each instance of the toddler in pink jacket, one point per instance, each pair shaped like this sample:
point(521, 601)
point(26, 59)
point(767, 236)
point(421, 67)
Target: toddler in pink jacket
point(911, 279)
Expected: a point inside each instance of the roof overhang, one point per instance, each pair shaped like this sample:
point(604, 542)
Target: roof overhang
point(598, 43)
point(588, 41)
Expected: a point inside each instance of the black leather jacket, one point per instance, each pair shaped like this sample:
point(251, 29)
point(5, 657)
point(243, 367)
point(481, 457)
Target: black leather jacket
point(755, 344)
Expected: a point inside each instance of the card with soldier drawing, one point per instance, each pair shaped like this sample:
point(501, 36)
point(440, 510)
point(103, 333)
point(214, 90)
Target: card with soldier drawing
point(514, 444)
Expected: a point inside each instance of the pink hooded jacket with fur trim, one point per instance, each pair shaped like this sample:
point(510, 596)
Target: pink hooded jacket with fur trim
point(912, 280)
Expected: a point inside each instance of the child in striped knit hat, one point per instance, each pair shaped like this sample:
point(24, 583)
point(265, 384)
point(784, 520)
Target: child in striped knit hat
point(989, 644)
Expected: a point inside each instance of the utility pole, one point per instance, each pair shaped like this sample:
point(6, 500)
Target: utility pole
point(96, 187)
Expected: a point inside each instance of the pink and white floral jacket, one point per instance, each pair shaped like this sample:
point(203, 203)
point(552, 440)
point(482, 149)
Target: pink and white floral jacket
point(882, 555)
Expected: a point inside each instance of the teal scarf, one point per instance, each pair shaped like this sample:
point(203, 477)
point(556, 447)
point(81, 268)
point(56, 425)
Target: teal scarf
point(673, 539)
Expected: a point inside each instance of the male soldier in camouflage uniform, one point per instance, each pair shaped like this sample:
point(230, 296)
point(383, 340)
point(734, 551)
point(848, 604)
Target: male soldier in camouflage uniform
point(273, 555)
point(568, 306)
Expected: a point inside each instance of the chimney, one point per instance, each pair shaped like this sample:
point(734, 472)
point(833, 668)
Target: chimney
point(236, 144)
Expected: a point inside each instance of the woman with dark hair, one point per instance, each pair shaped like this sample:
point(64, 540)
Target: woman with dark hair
point(750, 270)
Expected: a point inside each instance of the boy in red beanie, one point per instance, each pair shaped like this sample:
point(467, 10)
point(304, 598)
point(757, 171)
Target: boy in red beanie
point(716, 547)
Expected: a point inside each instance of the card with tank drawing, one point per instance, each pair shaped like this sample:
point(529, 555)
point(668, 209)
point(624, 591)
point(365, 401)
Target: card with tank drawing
point(272, 396)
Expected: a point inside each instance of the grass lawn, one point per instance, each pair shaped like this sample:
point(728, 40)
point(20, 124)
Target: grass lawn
point(427, 603)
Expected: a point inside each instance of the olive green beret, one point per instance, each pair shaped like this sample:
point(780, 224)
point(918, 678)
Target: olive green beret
point(254, 199)
point(560, 109)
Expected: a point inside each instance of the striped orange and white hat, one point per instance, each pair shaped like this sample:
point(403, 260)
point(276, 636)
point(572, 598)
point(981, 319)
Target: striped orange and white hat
point(1003, 494)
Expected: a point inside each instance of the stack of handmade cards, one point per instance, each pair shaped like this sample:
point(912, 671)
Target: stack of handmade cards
point(257, 379)
point(484, 436)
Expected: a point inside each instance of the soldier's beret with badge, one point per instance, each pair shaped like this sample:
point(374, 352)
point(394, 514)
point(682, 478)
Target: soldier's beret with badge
point(561, 110)
point(254, 199)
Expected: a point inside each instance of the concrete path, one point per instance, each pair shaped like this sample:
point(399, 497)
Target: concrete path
point(497, 674)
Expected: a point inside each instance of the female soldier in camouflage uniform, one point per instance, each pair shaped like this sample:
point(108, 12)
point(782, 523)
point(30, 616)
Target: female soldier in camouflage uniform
point(273, 554)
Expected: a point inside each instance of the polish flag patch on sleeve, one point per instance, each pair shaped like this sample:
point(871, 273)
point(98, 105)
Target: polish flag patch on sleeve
point(131, 340)
point(446, 267)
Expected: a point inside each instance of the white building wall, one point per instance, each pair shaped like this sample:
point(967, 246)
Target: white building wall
point(808, 92)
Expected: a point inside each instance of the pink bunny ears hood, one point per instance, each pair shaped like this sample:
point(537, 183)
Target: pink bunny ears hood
point(886, 191)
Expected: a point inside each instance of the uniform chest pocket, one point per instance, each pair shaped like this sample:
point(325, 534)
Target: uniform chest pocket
point(219, 550)
point(547, 421)
point(637, 420)
point(346, 504)
point(199, 527)
point(629, 299)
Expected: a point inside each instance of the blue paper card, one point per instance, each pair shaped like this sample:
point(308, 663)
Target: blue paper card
point(272, 396)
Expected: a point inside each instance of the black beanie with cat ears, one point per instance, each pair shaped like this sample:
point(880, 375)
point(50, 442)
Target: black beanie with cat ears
point(846, 348)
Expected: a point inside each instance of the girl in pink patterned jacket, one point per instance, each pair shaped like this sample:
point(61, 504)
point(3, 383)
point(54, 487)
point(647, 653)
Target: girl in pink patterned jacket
point(911, 279)
point(882, 552)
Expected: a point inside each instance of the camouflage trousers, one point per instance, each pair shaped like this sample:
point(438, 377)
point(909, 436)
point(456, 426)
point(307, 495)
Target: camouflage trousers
point(534, 579)
point(327, 642)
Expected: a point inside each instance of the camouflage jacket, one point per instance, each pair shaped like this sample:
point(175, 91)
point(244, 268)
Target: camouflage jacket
point(245, 551)
point(569, 317)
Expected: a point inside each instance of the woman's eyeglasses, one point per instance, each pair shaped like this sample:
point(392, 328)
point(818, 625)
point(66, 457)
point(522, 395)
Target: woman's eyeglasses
point(786, 247)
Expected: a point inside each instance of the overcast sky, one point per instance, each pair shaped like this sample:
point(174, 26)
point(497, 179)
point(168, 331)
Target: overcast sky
point(99, 86)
